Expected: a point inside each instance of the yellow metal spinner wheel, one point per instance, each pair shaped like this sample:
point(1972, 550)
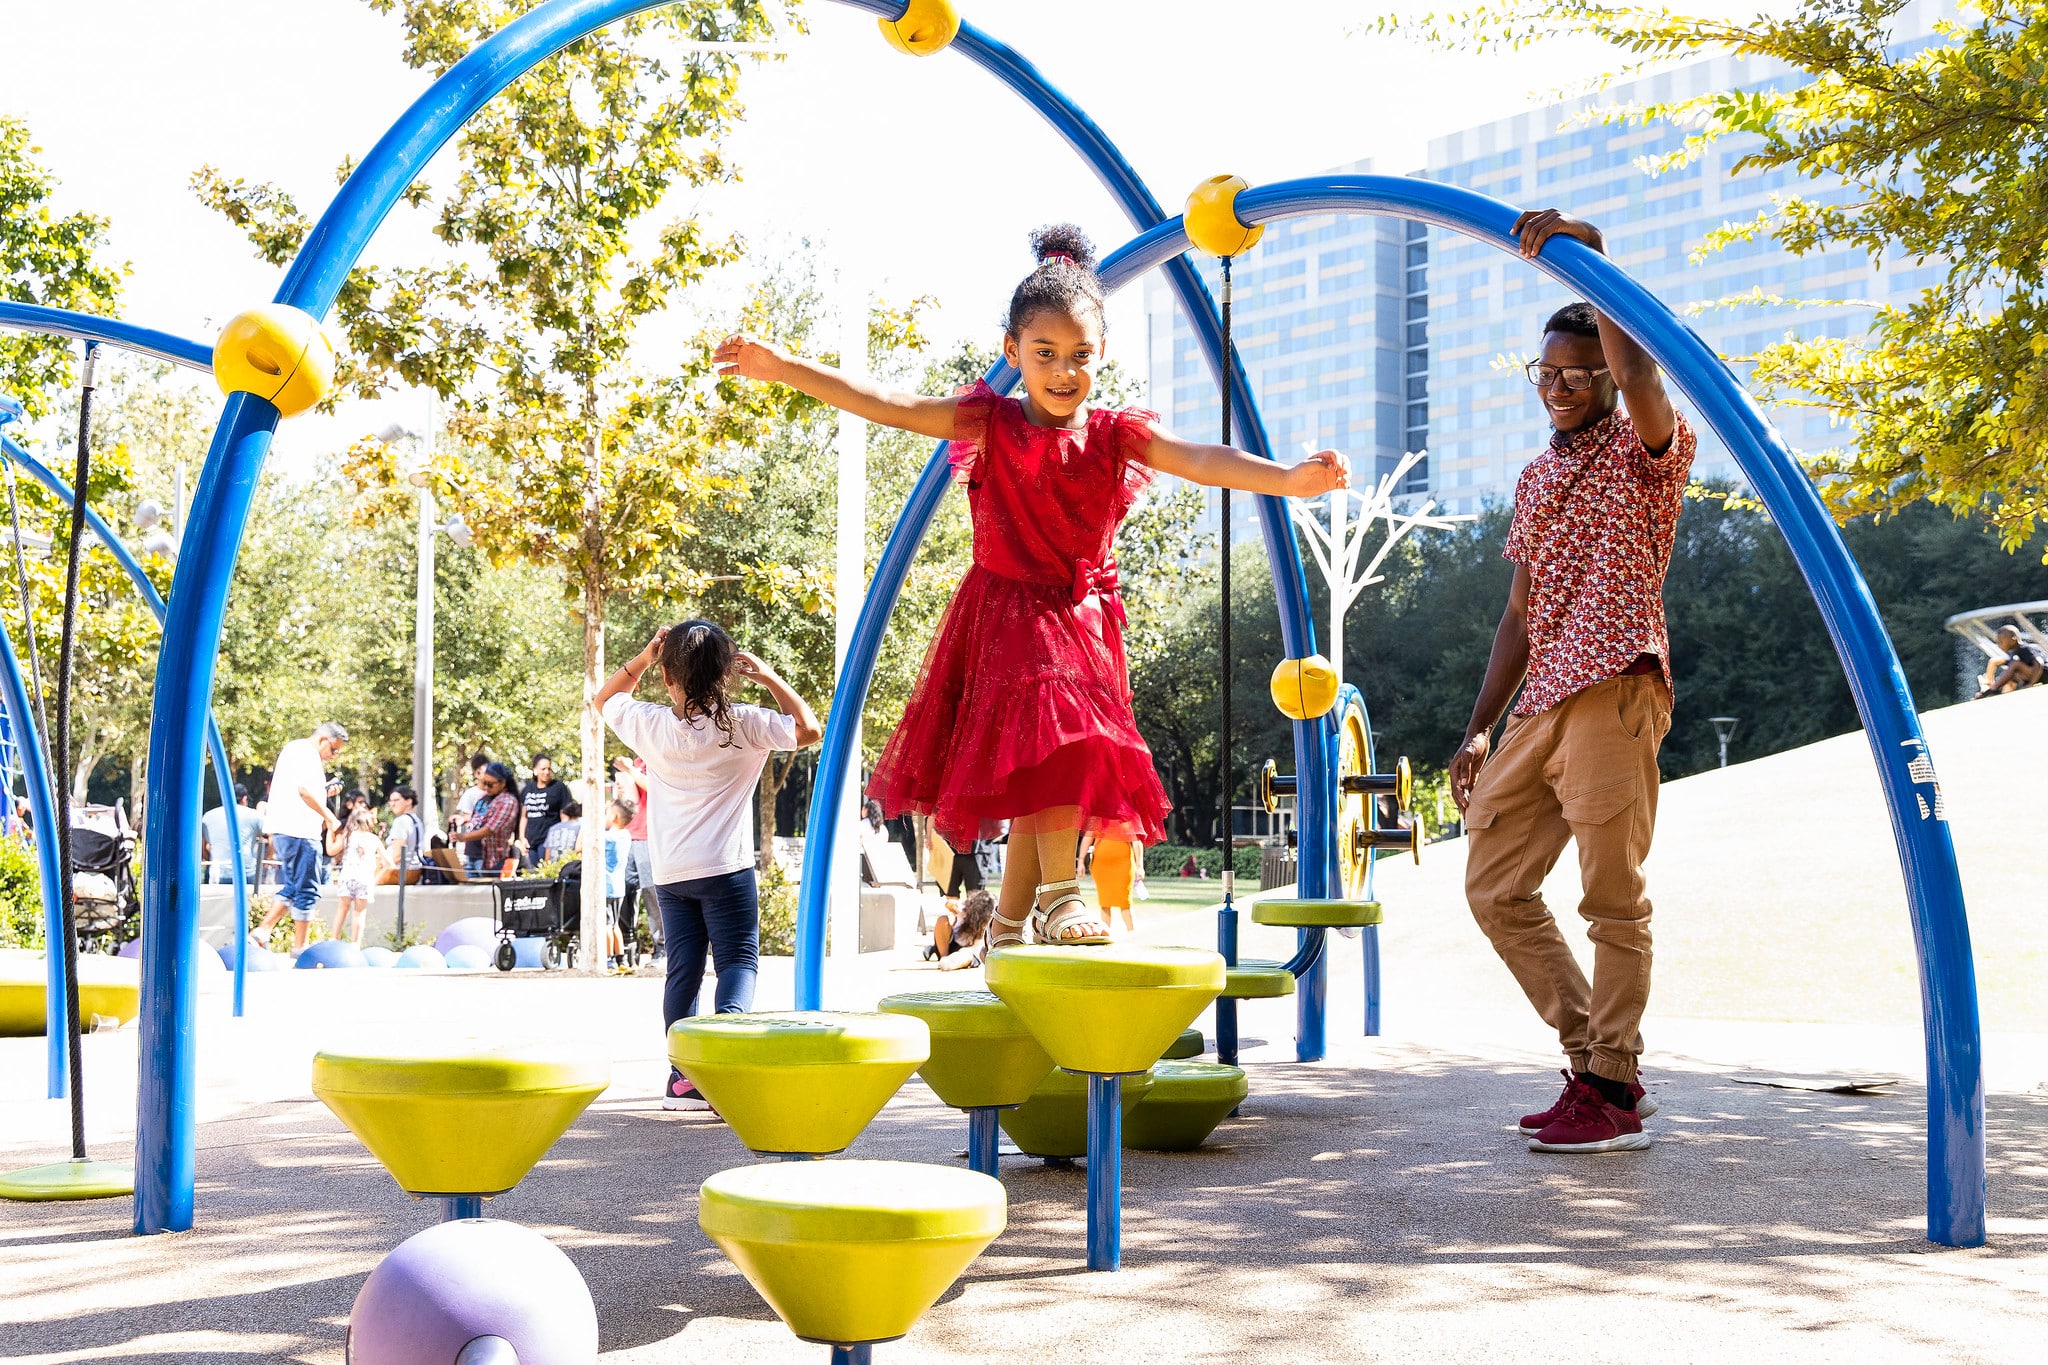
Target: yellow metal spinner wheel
point(1354, 811)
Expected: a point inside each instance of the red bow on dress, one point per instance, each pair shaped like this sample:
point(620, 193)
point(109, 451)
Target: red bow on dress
point(1100, 580)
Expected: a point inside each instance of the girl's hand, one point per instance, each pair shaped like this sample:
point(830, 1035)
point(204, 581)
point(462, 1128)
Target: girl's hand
point(750, 666)
point(747, 358)
point(652, 654)
point(1319, 473)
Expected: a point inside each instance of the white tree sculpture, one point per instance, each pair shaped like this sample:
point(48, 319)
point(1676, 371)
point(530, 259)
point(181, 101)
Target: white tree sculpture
point(1338, 545)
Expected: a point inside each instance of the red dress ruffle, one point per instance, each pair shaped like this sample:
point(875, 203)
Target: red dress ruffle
point(1024, 704)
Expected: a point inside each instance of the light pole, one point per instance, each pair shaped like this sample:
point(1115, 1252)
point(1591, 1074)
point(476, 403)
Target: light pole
point(1724, 730)
point(457, 530)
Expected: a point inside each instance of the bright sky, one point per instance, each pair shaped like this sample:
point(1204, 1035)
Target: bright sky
point(926, 170)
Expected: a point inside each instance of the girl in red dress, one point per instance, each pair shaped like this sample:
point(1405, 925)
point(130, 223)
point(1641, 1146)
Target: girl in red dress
point(1024, 710)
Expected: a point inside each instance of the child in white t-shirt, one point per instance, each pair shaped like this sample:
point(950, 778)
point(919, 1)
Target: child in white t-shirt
point(704, 754)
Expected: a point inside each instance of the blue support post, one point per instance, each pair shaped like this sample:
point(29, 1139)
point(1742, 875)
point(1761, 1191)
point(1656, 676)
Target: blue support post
point(1371, 946)
point(42, 804)
point(984, 1138)
point(1226, 1009)
point(858, 1353)
point(454, 1206)
point(1105, 1172)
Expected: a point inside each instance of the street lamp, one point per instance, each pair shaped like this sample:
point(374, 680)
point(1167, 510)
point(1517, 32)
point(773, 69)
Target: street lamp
point(1724, 730)
point(457, 530)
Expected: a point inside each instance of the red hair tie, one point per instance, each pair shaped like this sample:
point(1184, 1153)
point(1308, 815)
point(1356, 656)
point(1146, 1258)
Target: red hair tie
point(1051, 257)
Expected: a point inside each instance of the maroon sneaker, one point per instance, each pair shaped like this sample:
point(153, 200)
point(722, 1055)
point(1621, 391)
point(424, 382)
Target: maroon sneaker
point(1591, 1124)
point(1532, 1124)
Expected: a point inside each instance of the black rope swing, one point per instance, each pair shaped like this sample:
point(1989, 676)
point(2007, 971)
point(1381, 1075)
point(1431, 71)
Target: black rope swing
point(61, 743)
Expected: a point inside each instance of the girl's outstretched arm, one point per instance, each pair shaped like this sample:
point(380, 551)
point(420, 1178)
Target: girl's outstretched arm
point(1228, 467)
point(747, 358)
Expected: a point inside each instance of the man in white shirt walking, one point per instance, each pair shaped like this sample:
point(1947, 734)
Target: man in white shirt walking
point(298, 818)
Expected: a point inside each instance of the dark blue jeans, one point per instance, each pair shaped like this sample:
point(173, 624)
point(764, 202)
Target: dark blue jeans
point(722, 913)
point(299, 871)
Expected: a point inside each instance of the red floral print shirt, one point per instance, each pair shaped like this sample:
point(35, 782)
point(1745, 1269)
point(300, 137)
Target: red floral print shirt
point(1595, 516)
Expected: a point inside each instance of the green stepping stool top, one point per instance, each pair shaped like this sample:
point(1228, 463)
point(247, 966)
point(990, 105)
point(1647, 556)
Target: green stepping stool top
point(1108, 1010)
point(804, 1082)
point(1054, 1121)
point(107, 986)
point(982, 1056)
point(459, 1118)
point(1189, 1044)
point(1257, 979)
point(1324, 914)
point(850, 1252)
point(1183, 1105)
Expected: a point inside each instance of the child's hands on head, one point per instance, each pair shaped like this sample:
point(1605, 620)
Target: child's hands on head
point(748, 666)
point(1319, 473)
point(652, 654)
point(746, 358)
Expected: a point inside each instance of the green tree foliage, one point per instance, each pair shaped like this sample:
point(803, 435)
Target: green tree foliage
point(49, 259)
point(1943, 149)
point(1746, 640)
point(564, 452)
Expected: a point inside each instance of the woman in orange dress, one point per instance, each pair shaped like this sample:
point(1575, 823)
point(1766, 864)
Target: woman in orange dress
point(1117, 864)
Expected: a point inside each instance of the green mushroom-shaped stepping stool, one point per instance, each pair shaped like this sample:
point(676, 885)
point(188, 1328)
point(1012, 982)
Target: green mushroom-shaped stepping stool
point(1189, 1044)
point(108, 987)
point(459, 1121)
point(1183, 1105)
point(802, 1083)
point(850, 1253)
point(1106, 1013)
point(982, 1060)
point(1053, 1124)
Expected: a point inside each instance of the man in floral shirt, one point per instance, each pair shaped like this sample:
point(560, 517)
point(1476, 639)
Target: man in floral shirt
point(1583, 638)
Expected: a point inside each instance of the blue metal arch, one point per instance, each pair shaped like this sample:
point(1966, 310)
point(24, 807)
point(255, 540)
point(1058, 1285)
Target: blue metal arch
point(223, 775)
point(36, 774)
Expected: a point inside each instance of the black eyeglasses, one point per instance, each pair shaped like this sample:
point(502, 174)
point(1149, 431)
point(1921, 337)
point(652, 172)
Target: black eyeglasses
point(1577, 378)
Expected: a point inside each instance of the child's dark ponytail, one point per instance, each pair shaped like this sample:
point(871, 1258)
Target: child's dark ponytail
point(697, 657)
point(1065, 280)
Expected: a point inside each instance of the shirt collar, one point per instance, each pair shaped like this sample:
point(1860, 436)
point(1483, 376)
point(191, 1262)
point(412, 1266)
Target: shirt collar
point(1588, 436)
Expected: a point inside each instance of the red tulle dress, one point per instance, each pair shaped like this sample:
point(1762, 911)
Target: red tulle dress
point(1025, 700)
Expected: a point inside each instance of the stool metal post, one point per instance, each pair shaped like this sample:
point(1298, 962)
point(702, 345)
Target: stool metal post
point(1105, 1172)
point(454, 1206)
point(859, 1353)
point(1370, 936)
point(1226, 1008)
point(982, 1139)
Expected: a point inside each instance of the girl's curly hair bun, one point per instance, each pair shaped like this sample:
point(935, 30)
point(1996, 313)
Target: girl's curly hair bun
point(1064, 280)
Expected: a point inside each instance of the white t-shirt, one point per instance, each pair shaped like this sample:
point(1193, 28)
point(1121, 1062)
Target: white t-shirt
point(298, 765)
point(699, 783)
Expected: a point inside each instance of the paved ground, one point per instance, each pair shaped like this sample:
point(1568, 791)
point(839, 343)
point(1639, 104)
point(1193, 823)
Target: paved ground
point(1373, 1205)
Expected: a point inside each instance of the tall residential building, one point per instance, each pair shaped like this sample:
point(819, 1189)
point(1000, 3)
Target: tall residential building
point(1379, 336)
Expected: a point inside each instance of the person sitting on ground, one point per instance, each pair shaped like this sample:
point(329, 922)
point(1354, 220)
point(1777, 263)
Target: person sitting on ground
point(564, 835)
point(704, 756)
point(488, 840)
point(961, 936)
point(362, 849)
point(2019, 663)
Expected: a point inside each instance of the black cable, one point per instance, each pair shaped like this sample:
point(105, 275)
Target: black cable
point(62, 754)
point(1229, 373)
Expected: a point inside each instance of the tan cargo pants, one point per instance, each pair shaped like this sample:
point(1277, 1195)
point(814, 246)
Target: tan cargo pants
point(1584, 770)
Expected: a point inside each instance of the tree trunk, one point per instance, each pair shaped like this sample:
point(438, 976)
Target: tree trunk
point(774, 777)
point(88, 759)
point(591, 929)
point(138, 789)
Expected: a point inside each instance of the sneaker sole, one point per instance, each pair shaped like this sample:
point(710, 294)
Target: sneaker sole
point(1625, 1142)
point(677, 1102)
point(1645, 1108)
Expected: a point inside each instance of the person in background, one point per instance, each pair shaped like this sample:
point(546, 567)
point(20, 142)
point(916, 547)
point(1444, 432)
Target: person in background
point(361, 853)
point(407, 835)
point(297, 817)
point(618, 855)
point(465, 804)
point(564, 836)
point(632, 788)
point(487, 844)
point(959, 937)
point(213, 839)
point(2020, 663)
point(541, 807)
point(704, 756)
point(1117, 865)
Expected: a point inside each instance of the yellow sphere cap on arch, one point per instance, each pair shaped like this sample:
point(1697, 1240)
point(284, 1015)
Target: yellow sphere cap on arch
point(277, 352)
point(1210, 218)
point(1305, 688)
point(927, 26)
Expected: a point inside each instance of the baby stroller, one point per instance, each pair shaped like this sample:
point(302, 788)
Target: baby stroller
point(103, 877)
